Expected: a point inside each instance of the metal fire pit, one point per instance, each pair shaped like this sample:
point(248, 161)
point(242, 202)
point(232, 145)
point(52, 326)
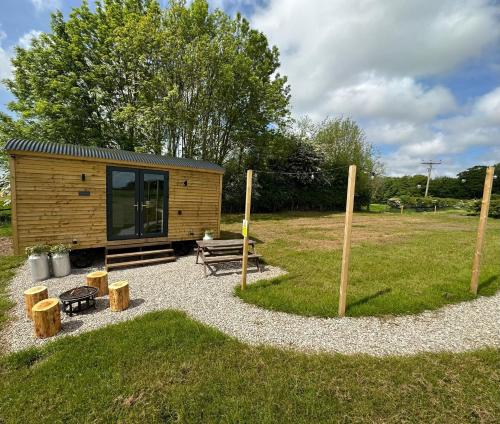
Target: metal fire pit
point(83, 297)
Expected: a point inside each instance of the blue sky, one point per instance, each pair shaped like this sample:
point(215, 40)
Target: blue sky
point(421, 77)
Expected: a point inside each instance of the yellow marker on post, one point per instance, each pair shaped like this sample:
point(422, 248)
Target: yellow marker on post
point(244, 229)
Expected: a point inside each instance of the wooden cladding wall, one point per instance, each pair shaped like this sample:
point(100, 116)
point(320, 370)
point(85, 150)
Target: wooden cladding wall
point(49, 207)
point(194, 204)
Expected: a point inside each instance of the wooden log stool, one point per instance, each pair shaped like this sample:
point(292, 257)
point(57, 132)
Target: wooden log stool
point(98, 279)
point(47, 318)
point(32, 296)
point(119, 296)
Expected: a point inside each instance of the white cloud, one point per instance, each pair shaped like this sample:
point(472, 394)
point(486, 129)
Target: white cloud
point(402, 163)
point(489, 107)
point(26, 39)
point(368, 59)
point(328, 45)
point(478, 126)
point(450, 138)
point(426, 148)
point(399, 132)
point(395, 98)
point(5, 66)
point(41, 5)
point(6, 53)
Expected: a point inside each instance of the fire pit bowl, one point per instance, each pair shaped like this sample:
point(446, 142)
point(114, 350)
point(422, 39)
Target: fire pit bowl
point(83, 297)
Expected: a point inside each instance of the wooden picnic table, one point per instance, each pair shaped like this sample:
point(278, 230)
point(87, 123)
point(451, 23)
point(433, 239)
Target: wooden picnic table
point(221, 251)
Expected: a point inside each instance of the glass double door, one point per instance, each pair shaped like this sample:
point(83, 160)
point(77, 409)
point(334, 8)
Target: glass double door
point(137, 203)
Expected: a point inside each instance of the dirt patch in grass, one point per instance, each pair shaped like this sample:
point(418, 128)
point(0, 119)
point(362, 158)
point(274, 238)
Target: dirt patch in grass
point(5, 246)
point(325, 232)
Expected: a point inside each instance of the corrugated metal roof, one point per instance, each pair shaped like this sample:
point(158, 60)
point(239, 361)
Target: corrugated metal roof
point(111, 154)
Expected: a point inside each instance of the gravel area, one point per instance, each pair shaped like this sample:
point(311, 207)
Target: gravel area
point(5, 246)
point(181, 285)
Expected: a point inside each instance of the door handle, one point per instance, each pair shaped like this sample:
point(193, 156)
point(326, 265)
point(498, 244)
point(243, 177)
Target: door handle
point(136, 207)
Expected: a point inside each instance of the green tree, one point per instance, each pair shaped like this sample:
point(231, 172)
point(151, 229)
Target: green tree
point(305, 167)
point(474, 181)
point(408, 185)
point(181, 80)
point(448, 187)
point(468, 184)
point(341, 142)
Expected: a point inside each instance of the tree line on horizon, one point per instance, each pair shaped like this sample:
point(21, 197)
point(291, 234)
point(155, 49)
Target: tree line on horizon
point(468, 184)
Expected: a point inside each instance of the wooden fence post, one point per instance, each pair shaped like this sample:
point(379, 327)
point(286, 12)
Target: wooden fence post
point(344, 277)
point(245, 228)
point(485, 207)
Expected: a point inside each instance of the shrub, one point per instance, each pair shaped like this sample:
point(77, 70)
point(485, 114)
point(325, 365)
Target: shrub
point(426, 202)
point(474, 207)
point(60, 248)
point(37, 249)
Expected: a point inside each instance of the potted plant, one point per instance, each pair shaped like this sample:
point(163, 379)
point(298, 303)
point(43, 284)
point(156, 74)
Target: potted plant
point(39, 262)
point(61, 265)
point(209, 235)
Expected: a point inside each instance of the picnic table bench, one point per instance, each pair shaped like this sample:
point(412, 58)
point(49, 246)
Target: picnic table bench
point(222, 251)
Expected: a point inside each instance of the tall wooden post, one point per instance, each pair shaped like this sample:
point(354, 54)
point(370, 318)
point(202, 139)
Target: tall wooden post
point(485, 207)
point(246, 225)
point(344, 277)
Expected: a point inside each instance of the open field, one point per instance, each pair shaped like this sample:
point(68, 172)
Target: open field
point(164, 367)
point(400, 264)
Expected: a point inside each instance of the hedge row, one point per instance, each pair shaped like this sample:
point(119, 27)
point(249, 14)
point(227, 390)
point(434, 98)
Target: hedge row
point(473, 207)
point(427, 202)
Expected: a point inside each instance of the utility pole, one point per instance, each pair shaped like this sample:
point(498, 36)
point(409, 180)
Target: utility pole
point(429, 171)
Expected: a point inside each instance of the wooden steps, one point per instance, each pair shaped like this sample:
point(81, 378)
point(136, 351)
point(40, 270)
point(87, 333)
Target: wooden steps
point(136, 254)
point(144, 253)
point(140, 262)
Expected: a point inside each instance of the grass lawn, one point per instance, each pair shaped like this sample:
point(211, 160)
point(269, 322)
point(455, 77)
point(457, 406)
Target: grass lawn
point(164, 367)
point(379, 207)
point(5, 230)
point(400, 264)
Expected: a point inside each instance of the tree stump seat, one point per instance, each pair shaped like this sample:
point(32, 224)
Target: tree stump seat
point(119, 296)
point(98, 279)
point(47, 318)
point(32, 296)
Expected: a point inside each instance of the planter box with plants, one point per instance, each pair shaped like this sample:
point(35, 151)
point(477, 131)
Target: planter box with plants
point(61, 265)
point(209, 235)
point(39, 262)
point(38, 258)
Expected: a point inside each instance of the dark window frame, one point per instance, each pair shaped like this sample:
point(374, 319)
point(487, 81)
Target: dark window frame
point(165, 174)
point(139, 198)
